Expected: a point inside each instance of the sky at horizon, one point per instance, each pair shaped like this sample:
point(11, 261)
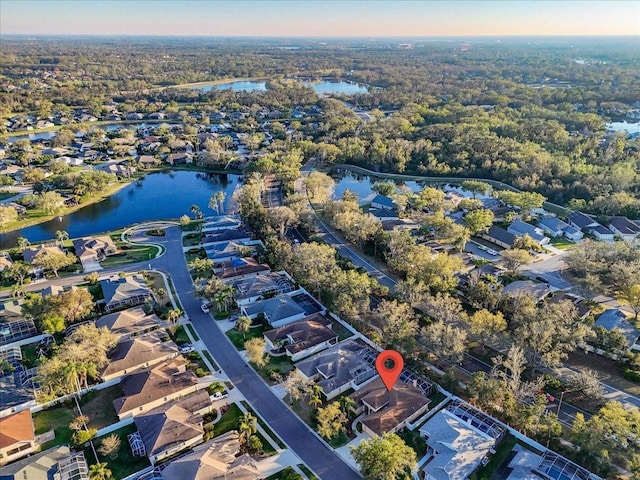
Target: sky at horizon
point(315, 18)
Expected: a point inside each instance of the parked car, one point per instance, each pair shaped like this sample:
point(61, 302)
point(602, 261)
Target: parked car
point(490, 251)
point(218, 395)
point(186, 348)
point(205, 307)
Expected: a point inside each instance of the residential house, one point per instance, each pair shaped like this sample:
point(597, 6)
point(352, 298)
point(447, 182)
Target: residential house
point(17, 437)
point(616, 319)
point(54, 290)
point(227, 250)
point(123, 292)
point(277, 311)
point(21, 209)
point(57, 463)
point(520, 229)
point(251, 289)
point(581, 221)
point(180, 158)
point(147, 161)
point(602, 233)
point(240, 268)
point(94, 249)
point(126, 323)
point(148, 389)
point(384, 214)
point(383, 202)
point(5, 261)
point(582, 309)
point(459, 438)
point(388, 410)
point(119, 169)
point(557, 228)
point(138, 353)
point(302, 338)
point(30, 254)
point(499, 236)
point(231, 234)
point(14, 327)
point(216, 459)
point(171, 428)
point(624, 228)
point(339, 368)
point(526, 287)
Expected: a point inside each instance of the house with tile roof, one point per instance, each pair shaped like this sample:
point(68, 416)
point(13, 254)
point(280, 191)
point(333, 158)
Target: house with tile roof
point(388, 410)
point(148, 389)
point(123, 292)
point(17, 437)
point(129, 322)
point(173, 427)
point(218, 458)
point(339, 368)
point(302, 338)
point(138, 353)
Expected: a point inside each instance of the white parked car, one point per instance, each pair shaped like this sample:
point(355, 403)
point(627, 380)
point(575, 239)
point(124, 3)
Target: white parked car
point(492, 252)
point(218, 396)
point(205, 307)
point(186, 348)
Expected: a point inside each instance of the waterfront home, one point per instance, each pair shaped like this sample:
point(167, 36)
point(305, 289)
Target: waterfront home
point(302, 338)
point(94, 249)
point(30, 254)
point(383, 202)
point(17, 437)
point(5, 261)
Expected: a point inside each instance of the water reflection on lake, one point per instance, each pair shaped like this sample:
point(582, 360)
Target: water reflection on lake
point(320, 88)
point(157, 196)
point(362, 185)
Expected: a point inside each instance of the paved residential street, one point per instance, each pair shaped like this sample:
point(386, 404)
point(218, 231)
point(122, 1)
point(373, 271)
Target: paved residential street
point(314, 452)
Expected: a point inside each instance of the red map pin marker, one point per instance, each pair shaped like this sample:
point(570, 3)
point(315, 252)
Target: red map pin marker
point(389, 365)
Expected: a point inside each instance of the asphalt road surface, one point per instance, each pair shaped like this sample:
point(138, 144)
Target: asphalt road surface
point(315, 453)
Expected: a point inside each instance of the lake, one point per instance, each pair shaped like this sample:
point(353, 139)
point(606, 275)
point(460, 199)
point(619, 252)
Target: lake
point(624, 126)
point(157, 196)
point(320, 88)
point(362, 185)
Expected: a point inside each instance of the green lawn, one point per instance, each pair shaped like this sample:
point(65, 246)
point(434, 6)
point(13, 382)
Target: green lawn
point(191, 239)
point(179, 335)
point(193, 333)
point(238, 339)
point(98, 406)
point(191, 226)
point(340, 440)
point(502, 452)
point(307, 472)
point(128, 253)
point(282, 364)
point(205, 353)
point(561, 243)
point(286, 474)
point(57, 419)
point(229, 420)
point(341, 331)
point(125, 463)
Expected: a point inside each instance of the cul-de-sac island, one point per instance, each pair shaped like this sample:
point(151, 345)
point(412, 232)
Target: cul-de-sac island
point(206, 244)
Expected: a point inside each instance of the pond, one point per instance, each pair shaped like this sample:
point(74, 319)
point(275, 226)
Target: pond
point(362, 185)
point(157, 196)
point(624, 126)
point(320, 88)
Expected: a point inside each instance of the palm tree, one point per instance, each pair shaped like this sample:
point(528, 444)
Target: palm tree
point(315, 398)
point(61, 236)
point(109, 446)
point(22, 243)
point(197, 213)
point(173, 315)
point(100, 471)
point(220, 196)
point(247, 427)
point(243, 324)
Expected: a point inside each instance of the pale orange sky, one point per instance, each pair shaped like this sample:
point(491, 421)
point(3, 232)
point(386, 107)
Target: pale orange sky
point(366, 18)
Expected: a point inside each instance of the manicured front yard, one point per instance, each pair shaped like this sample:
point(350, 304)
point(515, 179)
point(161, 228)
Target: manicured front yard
point(98, 406)
point(561, 243)
point(57, 419)
point(179, 336)
point(229, 420)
